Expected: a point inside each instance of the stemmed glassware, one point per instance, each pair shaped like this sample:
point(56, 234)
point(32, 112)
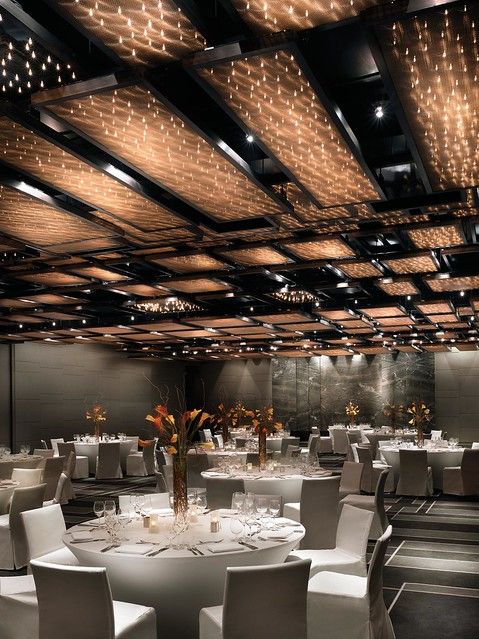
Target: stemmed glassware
point(99, 510)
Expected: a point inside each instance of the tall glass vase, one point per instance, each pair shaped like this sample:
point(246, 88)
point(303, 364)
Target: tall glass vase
point(97, 430)
point(262, 448)
point(420, 435)
point(180, 486)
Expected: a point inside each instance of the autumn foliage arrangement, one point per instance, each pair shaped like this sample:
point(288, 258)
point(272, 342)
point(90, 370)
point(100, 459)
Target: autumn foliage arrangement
point(352, 412)
point(420, 415)
point(96, 414)
point(264, 424)
point(393, 411)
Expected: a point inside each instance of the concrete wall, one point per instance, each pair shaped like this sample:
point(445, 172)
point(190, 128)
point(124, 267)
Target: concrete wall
point(457, 394)
point(53, 386)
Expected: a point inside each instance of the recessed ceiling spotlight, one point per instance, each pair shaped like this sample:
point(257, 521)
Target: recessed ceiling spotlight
point(379, 111)
point(250, 138)
point(462, 293)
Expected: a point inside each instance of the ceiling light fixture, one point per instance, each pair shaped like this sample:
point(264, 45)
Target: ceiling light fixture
point(250, 138)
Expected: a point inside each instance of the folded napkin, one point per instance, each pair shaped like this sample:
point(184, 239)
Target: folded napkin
point(162, 512)
point(227, 546)
point(6, 483)
point(216, 474)
point(284, 533)
point(227, 512)
point(80, 536)
point(131, 549)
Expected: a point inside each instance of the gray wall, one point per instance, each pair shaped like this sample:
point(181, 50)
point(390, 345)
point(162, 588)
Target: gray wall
point(5, 417)
point(53, 386)
point(457, 394)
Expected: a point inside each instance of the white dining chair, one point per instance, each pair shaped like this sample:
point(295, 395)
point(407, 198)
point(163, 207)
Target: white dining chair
point(27, 476)
point(142, 464)
point(464, 479)
point(13, 545)
point(18, 608)
point(324, 445)
point(475, 445)
point(351, 606)
point(315, 430)
point(43, 452)
point(219, 491)
point(61, 491)
point(87, 598)
point(317, 511)
point(81, 461)
point(44, 530)
point(436, 434)
point(350, 483)
point(218, 441)
point(286, 442)
point(196, 463)
point(51, 474)
point(372, 470)
point(260, 601)
point(108, 461)
point(312, 444)
point(349, 554)
point(373, 503)
point(415, 476)
point(340, 441)
point(54, 443)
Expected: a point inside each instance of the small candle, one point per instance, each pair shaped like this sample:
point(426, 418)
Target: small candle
point(249, 467)
point(214, 523)
point(146, 522)
point(154, 525)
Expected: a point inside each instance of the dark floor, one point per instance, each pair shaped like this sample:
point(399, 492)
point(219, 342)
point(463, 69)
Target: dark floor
point(431, 577)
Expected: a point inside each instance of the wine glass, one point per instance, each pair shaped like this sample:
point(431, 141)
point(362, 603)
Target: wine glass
point(237, 502)
point(99, 509)
point(110, 507)
point(201, 503)
point(236, 527)
point(146, 506)
point(262, 506)
point(274, 506)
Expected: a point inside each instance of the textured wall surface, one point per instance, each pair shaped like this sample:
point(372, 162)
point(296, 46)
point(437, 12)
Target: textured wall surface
point(457, 394)
point(314, 392)
point(55, 384)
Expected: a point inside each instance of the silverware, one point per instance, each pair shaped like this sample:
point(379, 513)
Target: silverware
point(156, 552)
point(213, 541)
point(109, 547)
point(85, 541)
point(250, 546)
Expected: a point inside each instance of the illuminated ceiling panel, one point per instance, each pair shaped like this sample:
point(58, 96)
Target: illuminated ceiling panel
point(189, 263)
point(436, 307)
point(259, 256)
point(25, 150)
point(436, 236)
point(53, 279)
point(433, 62)
point(130, 123)
point(271, 95)
point(320, 249)
point(37, 223)
point(99, 274)
point(403, 287)
point(336, 315)
point(297, 15)
point(383, 311)
point(417, 264)
point(309, 211)
point(453, 283)
point(358, 269)
point(281, 318)
point(145, 32)
point(196, 286)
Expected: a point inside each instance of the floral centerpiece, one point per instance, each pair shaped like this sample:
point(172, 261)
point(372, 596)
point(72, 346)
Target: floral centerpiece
point(223, 420)
point(264, 424)
point(239, 413)
point(176, 434)
point(97, 414)
point(421, 414)
point(392, 411)
point(352, 411)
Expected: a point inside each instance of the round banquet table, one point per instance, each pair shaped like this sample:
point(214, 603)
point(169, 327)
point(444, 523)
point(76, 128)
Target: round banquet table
point(437, 458)
point(6, 491)
point(286, 486)
point(90, 450)
point(177, 583)
point(9, 462)
point(374, 437)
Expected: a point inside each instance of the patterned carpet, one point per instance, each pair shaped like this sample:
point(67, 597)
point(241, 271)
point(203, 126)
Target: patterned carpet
point(431, 577)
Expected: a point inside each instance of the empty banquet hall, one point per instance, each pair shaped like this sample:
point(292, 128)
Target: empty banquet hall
point(239, 315)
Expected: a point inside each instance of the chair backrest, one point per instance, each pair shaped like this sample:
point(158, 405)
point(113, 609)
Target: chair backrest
point(149, 458)
point(375, 571)
point(353, 531)
point(412, 472)
point(219, 491)
point(51, 474)
point(436, 434)
point(354, 437)
point(85, 595)
point(351, 478)
point(65, 448)
point(207, 434)
point(27, 476)
point(319, 512)
point(59, 497)
point(470, 471)
point(353, 448)
point(293, 451)
point(44, 530)
point(108, 462)
point(312, 443)
point(70, 464)
point(266, 601)
point(196, 463)
point(288, 441)
point(218, 441)
point(239, 441)
point(23, 499)
point(6, 469)
point(315, 430)
point(54, 443)
point(379, 499)
point(365, 457)
point(340, 440)
point(475, 445)
point(43, 452)
point(134, 439)
point(43, 443)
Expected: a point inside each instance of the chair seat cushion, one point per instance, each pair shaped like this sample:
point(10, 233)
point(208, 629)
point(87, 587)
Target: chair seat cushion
point(4, 521)
point(12, 586)
point(338, 585)
point(292, 511)
point(331, 559)
point(62, 556)
point(133, 621)
point(360, 501)
point(211, 622)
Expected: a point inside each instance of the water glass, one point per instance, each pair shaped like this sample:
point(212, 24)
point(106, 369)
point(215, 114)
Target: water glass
point(99, 509)
point(236, 527)
point(110, 507)
point(201, 503)
point(274, 506)
point(237, 501)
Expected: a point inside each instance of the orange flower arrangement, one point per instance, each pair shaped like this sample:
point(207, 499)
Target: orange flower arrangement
point(263, 420)
point(97, 414)
point(176, 434)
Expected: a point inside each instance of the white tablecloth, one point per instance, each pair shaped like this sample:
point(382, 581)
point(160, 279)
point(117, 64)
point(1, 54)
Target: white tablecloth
point(288, 487)
point(438, 459)
point(177, 583)
point(90, 450)
point(6, 491)
point(9, 462)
